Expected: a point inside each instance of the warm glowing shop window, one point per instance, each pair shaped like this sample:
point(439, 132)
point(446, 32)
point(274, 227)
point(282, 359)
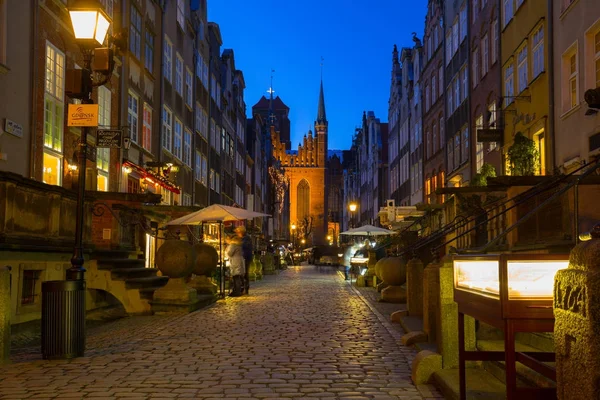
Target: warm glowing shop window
point(102, 182)
point(52, 169)
point(540, 142)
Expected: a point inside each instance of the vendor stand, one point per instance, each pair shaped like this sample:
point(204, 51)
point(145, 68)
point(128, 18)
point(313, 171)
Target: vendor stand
point(513, 293)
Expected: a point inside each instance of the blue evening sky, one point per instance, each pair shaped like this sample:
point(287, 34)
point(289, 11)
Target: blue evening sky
point(355, 38)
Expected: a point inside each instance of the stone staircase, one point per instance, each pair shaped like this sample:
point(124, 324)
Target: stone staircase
point(123, 274)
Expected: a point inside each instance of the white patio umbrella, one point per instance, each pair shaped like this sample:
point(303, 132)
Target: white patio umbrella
point(367, 230)
point(217, 213)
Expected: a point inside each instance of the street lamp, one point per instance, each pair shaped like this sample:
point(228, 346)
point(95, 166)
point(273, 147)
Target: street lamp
point(293, 226)
point(90, 26)
point(352, 207)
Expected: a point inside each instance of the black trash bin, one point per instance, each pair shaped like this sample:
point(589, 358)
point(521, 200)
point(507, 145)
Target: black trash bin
point(63, 319)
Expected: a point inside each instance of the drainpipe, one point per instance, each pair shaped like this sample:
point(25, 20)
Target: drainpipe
point(34, 79)
point(551, 112)
point(163, 9)
point(209, 122)
point(123, 102)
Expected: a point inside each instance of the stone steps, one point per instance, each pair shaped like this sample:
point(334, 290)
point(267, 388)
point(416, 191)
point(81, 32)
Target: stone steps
point(127, 267)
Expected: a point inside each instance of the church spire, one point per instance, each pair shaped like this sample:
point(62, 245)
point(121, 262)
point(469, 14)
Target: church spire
point(321, 116)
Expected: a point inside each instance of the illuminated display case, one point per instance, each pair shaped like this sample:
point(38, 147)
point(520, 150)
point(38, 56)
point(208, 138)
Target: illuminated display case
point(495, 287)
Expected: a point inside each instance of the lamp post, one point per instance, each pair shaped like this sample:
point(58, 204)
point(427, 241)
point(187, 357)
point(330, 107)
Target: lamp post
point(293, 226)
point(90, 26)
point(352, 207)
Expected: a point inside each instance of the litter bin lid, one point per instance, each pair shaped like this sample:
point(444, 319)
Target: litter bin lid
point(61, 286)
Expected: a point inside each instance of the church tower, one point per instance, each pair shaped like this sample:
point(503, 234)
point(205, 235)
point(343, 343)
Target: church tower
point(321, 130)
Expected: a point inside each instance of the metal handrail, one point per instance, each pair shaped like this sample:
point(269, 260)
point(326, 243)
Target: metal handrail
point(538, 189)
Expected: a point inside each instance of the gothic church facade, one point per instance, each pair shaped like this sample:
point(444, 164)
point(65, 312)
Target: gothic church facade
point(306, 169)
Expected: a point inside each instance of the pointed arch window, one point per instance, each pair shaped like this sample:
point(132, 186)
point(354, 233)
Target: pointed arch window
point(303, 200)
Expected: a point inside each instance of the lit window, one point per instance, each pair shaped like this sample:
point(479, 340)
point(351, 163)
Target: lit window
point(475, 68)
point(507, 11)
point(103, 154)
point(509, 85)
point(573, 80)
point(177, 136)
point(485, 62)
point(198, 166)
point(147, 128)
point(52, 169)
point(188, 88)
point(149, 51)
point(465, 145)
point(492, 121)
point(187, 147)
point(167, 129)
point(463, 23)
point(522, 69)
point(168, 60)
point(455, 41)
point(479, 153)
point(538, 52)
point(179, 74)
point(135, 33)
point(181, 13)
point(54, 98)
point(132, 116)
point(457, 150)
point(495, 42)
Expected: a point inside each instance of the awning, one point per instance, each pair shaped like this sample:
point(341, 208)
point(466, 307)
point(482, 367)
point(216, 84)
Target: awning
point(152, 176)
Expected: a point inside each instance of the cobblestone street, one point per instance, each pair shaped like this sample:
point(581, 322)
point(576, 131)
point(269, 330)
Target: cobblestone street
point(304, 333)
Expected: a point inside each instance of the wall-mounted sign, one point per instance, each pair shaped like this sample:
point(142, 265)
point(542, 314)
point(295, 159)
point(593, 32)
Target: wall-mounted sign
point(489, 135)
point(83, 115)
point(13, 128)
point(109, 138)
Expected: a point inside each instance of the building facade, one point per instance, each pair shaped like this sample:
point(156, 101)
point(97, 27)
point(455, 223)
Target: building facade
point(576, 62)
point(525, 72)
point(434, 139)
point(394, 157)
point(486, 84)
point(17, 82)
point(459, 142)
point(416, 124)
point(306, 173)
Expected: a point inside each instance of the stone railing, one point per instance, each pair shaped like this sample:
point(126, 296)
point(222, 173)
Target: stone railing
point(36, 215)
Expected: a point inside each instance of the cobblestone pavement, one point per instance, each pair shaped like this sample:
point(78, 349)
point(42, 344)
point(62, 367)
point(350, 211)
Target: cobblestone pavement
point(303, 333)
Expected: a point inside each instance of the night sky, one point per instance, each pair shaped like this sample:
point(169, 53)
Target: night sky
point(355, 38)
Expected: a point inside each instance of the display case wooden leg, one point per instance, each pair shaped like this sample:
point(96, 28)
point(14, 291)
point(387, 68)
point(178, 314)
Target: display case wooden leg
point(510, 360)
point(461, 357)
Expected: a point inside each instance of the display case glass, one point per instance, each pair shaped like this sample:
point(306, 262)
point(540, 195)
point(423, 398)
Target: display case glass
point(532, 279)
point(479, 276)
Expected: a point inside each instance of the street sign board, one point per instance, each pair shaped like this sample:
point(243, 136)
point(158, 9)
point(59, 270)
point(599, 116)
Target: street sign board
point(489, 135)
point(82, 115)
point(109, 138)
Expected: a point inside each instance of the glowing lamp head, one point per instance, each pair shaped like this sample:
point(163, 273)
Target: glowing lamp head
point(90, 22)
point(352, 207)
point(293, 227)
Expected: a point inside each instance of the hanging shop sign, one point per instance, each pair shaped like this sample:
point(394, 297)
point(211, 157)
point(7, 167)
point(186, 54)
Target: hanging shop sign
point(82, 115)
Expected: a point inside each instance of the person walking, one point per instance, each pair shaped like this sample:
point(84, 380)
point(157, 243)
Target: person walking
point(236, 265)
point(247, 253)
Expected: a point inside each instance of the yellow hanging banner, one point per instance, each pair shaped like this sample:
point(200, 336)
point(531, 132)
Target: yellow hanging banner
point(82, 115)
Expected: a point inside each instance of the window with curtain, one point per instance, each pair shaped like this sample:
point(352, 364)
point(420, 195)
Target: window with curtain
point(53, 114)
